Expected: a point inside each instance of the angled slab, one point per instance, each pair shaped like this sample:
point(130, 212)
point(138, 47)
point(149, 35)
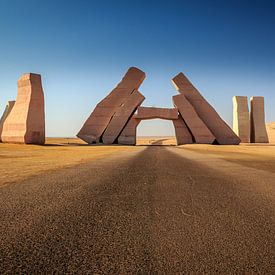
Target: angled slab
point(241, 122)
point(121, 117)
point(129, 134)
point(26, 121)
point(257, 120)
point(7, 111)
point(99, 119)
point(152, 112)
point(194, 123)
point(222, 132)
point(183, 135)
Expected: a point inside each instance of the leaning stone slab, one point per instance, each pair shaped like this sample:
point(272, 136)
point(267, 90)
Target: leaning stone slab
point(222, 132)
point(183, 135)
point(121, 117)
point(99, 119)
point(7, 111)
point(129, 134)
point(257, 120)
point(241, 122)
point(152, 112)
point(194, 123)
point(26, 121)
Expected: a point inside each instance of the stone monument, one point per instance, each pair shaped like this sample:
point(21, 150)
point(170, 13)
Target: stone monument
point(257, 120)
point(26, 121)
point(222, 132)
point(241, 123)
point(7, 111)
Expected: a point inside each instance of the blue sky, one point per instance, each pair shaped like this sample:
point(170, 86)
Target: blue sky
point(82, 48)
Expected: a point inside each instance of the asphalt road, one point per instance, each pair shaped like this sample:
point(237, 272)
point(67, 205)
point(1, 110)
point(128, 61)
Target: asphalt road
point(155, 210)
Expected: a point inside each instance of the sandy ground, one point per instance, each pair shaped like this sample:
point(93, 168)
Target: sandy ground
point(148, 210)
point(21, 161)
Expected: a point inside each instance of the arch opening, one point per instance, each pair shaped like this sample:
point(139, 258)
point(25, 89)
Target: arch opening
point(156, 132)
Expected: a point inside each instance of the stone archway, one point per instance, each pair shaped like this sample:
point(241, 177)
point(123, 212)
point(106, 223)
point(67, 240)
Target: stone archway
point(128, 135)
point(115, 118)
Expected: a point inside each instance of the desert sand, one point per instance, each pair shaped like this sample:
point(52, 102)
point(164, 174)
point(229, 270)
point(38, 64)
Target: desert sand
point(71, 208)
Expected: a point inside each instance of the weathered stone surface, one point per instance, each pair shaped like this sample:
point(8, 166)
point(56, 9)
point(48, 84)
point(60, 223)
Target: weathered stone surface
point(257, 120)
point(7, 111)
point(222, 132)
point(121, 117)
point(194, 123)
point(183, 136)
point(152, 112)
point(26, 121)
point(241, 123)
point(98, 121)
point(129, 134)
point(270, 128)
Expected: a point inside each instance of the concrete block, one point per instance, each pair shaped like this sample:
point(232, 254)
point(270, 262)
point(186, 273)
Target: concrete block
point(241, 122)
point(114, 100)
point(26, 121)
point(183, 135)
point(194, 123)
point(222, 132)
point(121, 117)
point(257, 120)
point(7, 111)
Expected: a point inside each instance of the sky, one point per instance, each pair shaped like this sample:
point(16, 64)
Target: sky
point(83, 48)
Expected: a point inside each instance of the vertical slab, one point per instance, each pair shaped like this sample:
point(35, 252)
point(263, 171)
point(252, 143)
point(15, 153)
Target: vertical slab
point(270, 128)
point(194, 123)
point(257, 120)
point(97, 122)
point(26, 121)
point(128, 135)
point(183, 136)
point(7, 111)
point(121, 117)
point(222, 132)
point(241, 123)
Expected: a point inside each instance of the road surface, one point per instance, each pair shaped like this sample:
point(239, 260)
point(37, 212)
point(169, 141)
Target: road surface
point(152, 210)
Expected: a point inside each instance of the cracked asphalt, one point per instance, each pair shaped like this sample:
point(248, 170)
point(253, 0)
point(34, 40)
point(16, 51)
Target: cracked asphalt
point(155, 210)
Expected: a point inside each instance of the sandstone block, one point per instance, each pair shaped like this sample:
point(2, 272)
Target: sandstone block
point(270, 128)
point(241, 123)
point(152, 112)
point(26, 121)
point(257, 120)
point(129, 134)
point(194, 123)
point(121, 117)
point(7, 111)
point(119, 95)
point(222, 132)
point(183, 135)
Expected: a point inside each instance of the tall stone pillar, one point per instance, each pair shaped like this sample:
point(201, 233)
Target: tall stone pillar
point(241, 123)
point(257, 120)
point(26, 121)
point(7, 111)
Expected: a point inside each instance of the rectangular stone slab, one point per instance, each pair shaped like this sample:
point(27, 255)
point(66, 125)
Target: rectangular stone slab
point(194, 123)
point(92, 130)
point(222, 132)
point(121, 117)
point(183, 135)
point(129, 134)
point(257, 120)
point(7, 111)
point(26, 121)
point(152, 112)
point(270, 128)
point(241, 121)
